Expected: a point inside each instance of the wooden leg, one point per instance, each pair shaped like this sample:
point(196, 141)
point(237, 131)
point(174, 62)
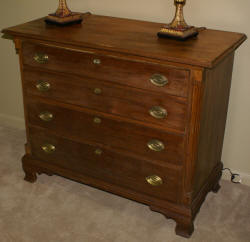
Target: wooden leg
point(30, 171)
point(216, 187)
point(184, 229)
point(184, 225)
point(49, 174)
point(30, 176)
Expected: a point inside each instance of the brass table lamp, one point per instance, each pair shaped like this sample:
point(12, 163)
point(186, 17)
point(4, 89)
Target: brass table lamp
point(63, 15)
point(178, 28)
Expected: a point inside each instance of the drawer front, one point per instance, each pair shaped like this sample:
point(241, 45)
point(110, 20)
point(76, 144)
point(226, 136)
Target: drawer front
point(80, 124)
point(152, 107)
point(147, 76)
point(158, 181)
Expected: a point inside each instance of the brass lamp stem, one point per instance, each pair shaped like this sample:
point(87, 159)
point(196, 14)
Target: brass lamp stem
point(179, 20)
point(63, 15)
point(178, 28)
point(63, 9)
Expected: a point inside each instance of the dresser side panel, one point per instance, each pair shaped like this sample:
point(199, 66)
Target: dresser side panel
point(19, 50)
point(213, 120)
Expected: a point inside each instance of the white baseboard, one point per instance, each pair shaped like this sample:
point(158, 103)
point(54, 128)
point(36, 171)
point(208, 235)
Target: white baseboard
point(245, 178)
point(12, 121)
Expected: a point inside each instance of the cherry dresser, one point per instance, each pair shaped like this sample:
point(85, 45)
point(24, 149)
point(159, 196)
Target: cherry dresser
point(109, 104)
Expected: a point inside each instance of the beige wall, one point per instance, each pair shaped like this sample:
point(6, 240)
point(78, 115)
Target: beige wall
point(228, 15)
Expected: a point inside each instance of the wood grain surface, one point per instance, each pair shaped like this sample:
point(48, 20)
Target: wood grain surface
point(110, 166)
point(78, 123)
point(114, 98)
point(134, 37)
point(112, 69)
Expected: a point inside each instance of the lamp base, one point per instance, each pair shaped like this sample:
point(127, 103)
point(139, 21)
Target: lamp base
point(65, 20)
point(177, 33)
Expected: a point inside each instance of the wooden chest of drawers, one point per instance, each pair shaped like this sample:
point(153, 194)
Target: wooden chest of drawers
point(110, 105)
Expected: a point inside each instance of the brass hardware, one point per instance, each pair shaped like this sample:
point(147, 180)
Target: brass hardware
point(97, 61)
point(46, 116)
point(41, 58)
point(97, 120)
point(48, 148)
point(156, 145)
point(154, 180)
point(97, 91)
point(43, 86)
point(159, 80)
point(158, 112)
point(98, 151)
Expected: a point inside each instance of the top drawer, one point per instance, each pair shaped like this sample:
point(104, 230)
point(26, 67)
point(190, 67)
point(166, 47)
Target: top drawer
point(149, 76)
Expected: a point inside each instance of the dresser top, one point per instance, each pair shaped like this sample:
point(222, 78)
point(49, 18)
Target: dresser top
point(133, 37)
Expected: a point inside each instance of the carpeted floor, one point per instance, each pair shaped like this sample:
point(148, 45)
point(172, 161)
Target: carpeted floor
point(55, 209)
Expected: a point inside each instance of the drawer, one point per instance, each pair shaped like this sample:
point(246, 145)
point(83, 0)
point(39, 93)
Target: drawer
point(152, 107)
point(145, 75)
point(81, 124)
point(107, 165)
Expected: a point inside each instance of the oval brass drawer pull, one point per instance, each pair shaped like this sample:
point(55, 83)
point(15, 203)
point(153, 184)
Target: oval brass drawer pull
point(97, 120)
point(97, 61)
point(98, 151)
point(48, 148)
point(43, 86)
point(158, 112)
point(46, 116)
point(156, 145)
point(154, 180)
point(97, 91)
point(41, 58)
point(159, 80)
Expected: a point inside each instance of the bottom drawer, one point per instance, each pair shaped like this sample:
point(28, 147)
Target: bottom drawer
point(100, 162)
